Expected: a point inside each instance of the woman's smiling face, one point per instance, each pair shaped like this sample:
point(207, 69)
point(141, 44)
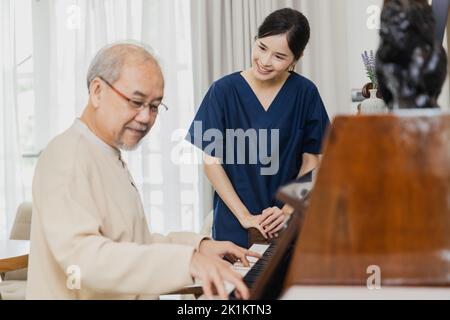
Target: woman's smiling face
point(271, 57)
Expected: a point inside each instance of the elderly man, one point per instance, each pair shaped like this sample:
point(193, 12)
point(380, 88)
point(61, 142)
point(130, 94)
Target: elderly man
point(89, 235)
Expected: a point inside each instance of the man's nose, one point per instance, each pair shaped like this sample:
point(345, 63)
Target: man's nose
point(144, 115)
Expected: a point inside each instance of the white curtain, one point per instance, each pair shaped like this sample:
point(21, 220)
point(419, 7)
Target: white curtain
point(76, 30)
point(223, 33)
point(11, 187)
point(326, 57)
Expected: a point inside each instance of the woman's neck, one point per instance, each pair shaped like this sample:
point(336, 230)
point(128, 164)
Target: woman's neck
point(265, 84)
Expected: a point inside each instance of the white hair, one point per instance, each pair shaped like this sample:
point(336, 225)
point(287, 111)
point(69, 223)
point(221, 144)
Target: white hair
point(109, 60)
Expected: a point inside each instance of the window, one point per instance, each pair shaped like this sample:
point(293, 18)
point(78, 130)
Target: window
point(25, 90)
point(51, 90)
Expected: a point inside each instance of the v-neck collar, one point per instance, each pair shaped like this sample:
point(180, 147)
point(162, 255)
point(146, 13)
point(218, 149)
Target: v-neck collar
point(255, 97)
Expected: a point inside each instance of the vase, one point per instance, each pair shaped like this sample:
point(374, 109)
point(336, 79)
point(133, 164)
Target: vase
point(373, 104)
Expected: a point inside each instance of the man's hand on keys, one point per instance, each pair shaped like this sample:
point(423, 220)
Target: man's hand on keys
point(208, 266)
point(227, 249)
point(212, 271)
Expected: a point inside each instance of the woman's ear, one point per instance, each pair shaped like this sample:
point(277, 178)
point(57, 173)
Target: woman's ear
point(292, 66)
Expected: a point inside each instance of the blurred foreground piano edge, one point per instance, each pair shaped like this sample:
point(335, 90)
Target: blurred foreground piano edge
point(379, 214)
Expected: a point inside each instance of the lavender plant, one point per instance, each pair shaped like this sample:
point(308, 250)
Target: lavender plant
point(369, 64)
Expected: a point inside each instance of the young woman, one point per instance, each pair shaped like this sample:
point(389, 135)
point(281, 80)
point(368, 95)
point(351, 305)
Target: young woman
point(259, 129)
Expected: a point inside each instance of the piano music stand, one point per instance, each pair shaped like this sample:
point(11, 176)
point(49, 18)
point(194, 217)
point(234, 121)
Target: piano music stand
point(269, 284)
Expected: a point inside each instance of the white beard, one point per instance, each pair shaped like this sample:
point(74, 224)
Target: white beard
point(124, 147)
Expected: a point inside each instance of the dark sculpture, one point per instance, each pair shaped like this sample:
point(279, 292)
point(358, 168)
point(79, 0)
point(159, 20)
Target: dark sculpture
point(411, 64)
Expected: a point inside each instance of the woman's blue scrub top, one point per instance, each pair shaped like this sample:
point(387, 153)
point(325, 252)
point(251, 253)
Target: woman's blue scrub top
point(260, 150)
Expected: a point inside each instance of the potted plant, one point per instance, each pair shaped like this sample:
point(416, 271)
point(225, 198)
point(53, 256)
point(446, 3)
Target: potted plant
point(373, 102)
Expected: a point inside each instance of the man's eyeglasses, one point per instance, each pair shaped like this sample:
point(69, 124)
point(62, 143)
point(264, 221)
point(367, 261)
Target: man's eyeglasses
point(138, 105)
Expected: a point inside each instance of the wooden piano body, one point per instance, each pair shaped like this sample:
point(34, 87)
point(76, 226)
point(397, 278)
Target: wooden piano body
point(381, 198)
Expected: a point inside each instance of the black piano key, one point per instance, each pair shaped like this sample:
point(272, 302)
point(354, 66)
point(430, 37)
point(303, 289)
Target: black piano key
point(252, 275)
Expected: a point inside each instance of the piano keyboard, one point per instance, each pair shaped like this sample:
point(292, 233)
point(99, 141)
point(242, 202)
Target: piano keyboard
point(249, 273)
point(256, 266)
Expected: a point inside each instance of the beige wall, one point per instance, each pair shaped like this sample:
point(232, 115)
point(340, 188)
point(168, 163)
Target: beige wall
point(362, 37)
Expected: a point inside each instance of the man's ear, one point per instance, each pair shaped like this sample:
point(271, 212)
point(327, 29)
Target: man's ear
point(95, 91)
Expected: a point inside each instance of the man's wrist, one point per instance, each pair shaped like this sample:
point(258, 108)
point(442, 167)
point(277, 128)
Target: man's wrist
point(203, 242)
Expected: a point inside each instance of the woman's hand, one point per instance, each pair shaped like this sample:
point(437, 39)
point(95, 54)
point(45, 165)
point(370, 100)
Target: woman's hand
point(274, 221)
point(254, 221)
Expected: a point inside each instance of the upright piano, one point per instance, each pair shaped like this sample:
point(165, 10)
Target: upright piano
point(381, 199)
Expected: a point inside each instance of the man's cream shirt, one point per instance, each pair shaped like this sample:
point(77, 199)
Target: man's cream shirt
point(89, 234)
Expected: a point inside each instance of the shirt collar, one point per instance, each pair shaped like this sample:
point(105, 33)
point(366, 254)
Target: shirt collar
point(88, 134)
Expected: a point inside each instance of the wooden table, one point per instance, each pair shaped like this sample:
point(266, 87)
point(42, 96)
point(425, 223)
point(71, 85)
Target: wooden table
point(13, 254)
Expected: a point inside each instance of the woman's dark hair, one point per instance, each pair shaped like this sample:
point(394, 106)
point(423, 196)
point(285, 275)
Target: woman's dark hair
point(291, 22)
